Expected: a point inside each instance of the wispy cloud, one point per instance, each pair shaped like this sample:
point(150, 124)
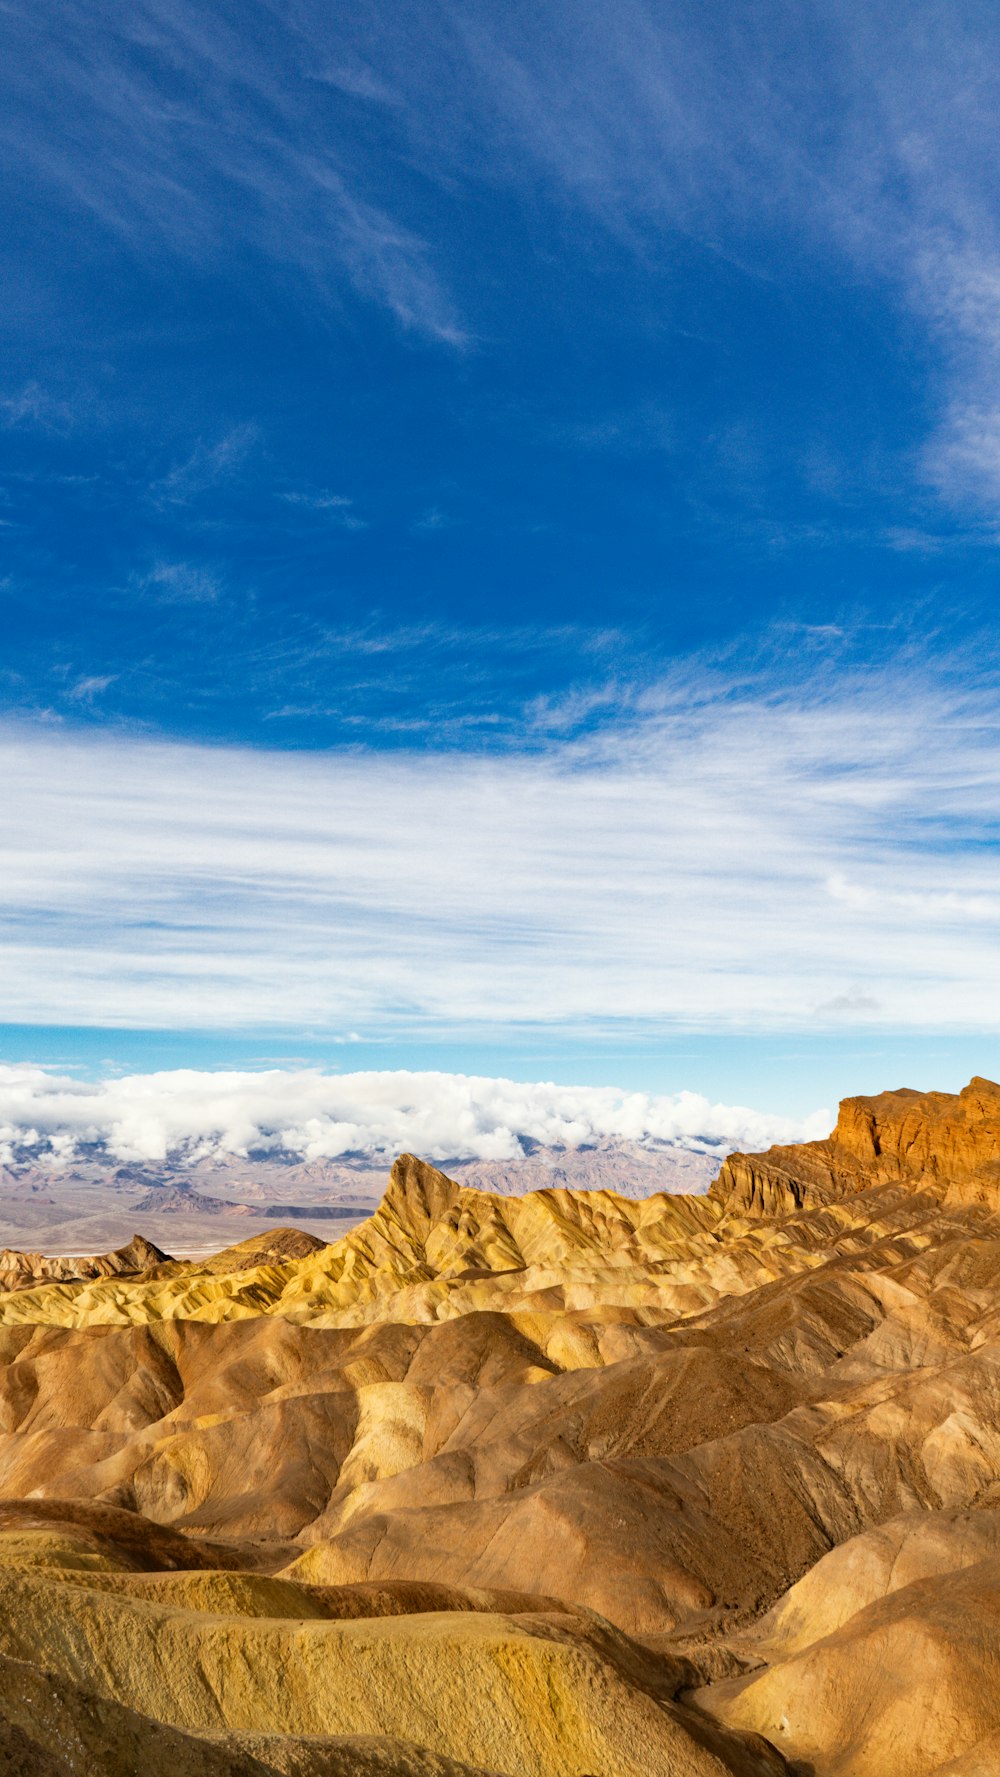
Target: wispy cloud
point(34, 406)
point(640, 431)
point(320, 1116)
point(433, 520)
point(206, 467)
point(391, 264)
point(336, 509)
point(185, 133)
point(178, 582)
point(859, 136)
point(85, 690)
point(358, 81)
point(862, 138)
point(319, 500)
point(947, 905)
point(672, 867)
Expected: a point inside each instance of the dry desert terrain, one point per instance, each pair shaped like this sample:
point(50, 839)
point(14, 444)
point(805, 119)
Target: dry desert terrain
point(566, 1484)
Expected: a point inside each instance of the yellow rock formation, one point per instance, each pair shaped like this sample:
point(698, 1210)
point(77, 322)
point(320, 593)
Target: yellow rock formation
point(547, 1486)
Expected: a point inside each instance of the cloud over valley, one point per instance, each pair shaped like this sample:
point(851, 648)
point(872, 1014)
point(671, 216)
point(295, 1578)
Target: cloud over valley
point(320, 1116)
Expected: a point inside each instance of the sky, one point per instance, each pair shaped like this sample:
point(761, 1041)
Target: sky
point(500, 519)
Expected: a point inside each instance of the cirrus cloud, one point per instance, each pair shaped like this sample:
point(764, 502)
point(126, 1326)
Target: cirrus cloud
point(721, 854)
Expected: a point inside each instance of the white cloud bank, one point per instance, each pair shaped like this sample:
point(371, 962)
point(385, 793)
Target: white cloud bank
point(147, 1117)
point(725, 856)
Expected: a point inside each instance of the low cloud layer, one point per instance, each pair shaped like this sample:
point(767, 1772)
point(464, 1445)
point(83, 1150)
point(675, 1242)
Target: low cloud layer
point(315, 1115)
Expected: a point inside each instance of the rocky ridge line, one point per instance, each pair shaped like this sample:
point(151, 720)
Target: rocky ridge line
point(945, 1142)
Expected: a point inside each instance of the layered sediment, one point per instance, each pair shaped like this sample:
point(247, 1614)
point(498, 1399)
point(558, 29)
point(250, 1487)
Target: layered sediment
point(561, 1484)
point(947, 1142)
point(19, 1269)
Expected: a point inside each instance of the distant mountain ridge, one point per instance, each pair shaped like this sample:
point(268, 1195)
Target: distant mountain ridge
point(93, 1200)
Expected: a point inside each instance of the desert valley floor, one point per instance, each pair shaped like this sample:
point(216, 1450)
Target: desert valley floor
point(569, 1484)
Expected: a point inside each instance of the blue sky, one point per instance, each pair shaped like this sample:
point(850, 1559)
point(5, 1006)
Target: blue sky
point(556, 450)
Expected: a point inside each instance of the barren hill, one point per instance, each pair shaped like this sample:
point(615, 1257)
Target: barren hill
point(551, 1484)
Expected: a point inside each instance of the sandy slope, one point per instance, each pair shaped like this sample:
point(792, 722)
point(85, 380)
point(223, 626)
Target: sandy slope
point(565, 1483)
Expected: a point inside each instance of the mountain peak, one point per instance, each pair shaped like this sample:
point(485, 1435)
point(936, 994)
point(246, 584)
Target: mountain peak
point(418, 1193)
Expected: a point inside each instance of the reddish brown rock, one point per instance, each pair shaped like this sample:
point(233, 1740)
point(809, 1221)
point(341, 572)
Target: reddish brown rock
point(946, 1142)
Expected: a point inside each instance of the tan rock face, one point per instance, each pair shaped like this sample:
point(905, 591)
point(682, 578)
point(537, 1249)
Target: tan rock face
point(938, 1139)
point(18, 1269)
point(492, 1483)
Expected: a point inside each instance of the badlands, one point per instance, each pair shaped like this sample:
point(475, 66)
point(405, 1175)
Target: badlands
point(569, 1484)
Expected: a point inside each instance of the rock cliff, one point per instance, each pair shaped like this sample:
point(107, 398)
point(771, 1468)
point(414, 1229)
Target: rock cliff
point(945, 1142)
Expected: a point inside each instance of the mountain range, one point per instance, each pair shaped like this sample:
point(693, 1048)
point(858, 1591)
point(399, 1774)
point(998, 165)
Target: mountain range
point(93, 1198)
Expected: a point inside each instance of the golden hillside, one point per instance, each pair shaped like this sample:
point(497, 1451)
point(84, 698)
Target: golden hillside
point(562, 1484)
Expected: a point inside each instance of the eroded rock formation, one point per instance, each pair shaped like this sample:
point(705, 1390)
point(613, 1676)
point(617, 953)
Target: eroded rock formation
point(18, 1269)
point(561, 1484)
point(948, 1141)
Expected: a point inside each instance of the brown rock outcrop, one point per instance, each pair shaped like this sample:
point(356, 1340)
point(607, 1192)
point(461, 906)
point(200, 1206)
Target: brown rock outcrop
point(940, 1141)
